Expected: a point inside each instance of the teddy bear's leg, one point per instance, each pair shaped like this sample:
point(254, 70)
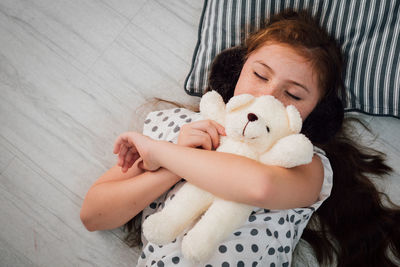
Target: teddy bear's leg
point(220, 220)
point(186, 206)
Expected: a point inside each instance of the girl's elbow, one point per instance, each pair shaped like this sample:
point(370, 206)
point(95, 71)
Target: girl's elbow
point(87, 220)
point(89, 213)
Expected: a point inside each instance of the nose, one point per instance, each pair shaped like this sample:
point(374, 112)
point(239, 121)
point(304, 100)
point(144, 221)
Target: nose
point(252, 117)
point(273, 89)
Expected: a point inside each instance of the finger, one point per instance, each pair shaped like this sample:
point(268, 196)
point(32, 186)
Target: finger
point(219, 127)
point(119, 143)
point(132, 161)
point(121, 155)
point(129, 156)
point(127, 161)
point(117, 146)
point(208, 143)
point(124, 150)
point(209, 127)
point(202, 139)
point(214, 137)
point(140, 164)
point(197, 138)
point(125, 167)
point(121, 161)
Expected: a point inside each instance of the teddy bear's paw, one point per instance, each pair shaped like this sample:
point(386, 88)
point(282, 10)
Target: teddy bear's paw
point(197, 247)
point(159, 230)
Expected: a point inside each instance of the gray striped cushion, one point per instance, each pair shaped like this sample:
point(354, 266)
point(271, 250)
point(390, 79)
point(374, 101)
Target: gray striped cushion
point(368, 32)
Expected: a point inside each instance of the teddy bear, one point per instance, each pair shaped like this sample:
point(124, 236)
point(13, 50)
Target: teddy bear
point(260, 128)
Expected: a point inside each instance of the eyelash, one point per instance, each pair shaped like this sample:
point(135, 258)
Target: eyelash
point(289, 94)
point(293, 96)
point(260, 77)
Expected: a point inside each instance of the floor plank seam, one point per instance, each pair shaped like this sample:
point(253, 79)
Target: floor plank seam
point(113, 41)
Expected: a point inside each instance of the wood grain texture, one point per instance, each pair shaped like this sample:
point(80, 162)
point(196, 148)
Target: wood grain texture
point(73, 76)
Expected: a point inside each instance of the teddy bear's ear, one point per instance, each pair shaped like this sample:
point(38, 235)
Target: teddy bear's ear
point(295, 121)
point(238, 101)
point(212, 107)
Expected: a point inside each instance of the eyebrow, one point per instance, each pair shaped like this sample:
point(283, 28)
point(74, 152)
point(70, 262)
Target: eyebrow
point(265, 65)
point(289, 81)
point(298, 84)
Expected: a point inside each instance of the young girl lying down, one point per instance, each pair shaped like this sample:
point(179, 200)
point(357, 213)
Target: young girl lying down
point(294, 60)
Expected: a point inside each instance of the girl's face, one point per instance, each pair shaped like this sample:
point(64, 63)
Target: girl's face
point(279, 71)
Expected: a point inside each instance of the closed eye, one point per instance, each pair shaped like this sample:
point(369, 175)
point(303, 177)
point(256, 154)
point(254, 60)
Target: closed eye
point(293, 96)
point(260, 77)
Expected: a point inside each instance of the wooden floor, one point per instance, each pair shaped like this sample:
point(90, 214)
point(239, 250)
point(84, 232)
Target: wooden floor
point(73, 76)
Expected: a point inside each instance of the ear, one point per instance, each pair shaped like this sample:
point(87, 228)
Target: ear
point(212, 107)
point(295, 121)
point(238, 101)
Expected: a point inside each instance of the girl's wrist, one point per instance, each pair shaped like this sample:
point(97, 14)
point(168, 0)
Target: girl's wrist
point(170, 175)
point(160, 150)
point(158, 147)
point(153, 152)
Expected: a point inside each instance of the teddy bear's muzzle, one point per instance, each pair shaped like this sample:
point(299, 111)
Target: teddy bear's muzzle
point(251, 117)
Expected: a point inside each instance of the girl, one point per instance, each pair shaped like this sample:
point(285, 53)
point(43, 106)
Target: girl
point(294, 60)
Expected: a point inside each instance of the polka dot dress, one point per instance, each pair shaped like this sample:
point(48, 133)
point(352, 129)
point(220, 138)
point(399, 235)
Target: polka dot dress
point(268, 237)
point(165, 124)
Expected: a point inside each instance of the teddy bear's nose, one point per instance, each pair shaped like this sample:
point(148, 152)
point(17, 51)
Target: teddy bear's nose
point(252, 117)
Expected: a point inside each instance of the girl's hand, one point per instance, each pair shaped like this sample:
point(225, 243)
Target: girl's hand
point(204, 133)
point(130, 146)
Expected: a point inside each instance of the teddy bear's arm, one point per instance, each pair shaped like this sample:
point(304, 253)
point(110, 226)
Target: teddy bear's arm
point(290, 151)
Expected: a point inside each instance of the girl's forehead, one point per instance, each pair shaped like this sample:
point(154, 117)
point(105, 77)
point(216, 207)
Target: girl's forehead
point(281, 51)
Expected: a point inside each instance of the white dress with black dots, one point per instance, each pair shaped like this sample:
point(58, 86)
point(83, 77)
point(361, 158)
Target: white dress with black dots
point(268, 237)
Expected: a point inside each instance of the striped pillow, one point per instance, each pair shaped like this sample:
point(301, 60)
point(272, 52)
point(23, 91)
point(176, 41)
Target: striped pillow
point(368, 32)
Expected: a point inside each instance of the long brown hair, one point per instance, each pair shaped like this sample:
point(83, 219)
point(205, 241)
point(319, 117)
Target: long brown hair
point(352, 227)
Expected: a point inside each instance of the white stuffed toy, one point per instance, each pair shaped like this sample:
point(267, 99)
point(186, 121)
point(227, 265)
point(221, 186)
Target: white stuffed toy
point(260, 128)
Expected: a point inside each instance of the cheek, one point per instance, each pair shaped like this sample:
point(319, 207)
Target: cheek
point(305, 109)
point(245, 83)
point(304, 112)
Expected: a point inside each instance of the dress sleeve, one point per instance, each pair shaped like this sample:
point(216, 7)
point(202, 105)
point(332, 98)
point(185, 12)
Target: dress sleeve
point(328, 178)
point(165, 124)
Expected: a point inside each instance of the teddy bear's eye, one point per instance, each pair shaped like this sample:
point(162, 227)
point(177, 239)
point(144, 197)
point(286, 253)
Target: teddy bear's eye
point(267, 128)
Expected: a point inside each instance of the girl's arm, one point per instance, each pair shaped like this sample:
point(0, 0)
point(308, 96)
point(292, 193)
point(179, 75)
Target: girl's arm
point(117, 197)
point(241, 179)
point(125, 190)
point(230, 176)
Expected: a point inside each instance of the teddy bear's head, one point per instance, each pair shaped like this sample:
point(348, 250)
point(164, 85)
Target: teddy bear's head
point(258, 121)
